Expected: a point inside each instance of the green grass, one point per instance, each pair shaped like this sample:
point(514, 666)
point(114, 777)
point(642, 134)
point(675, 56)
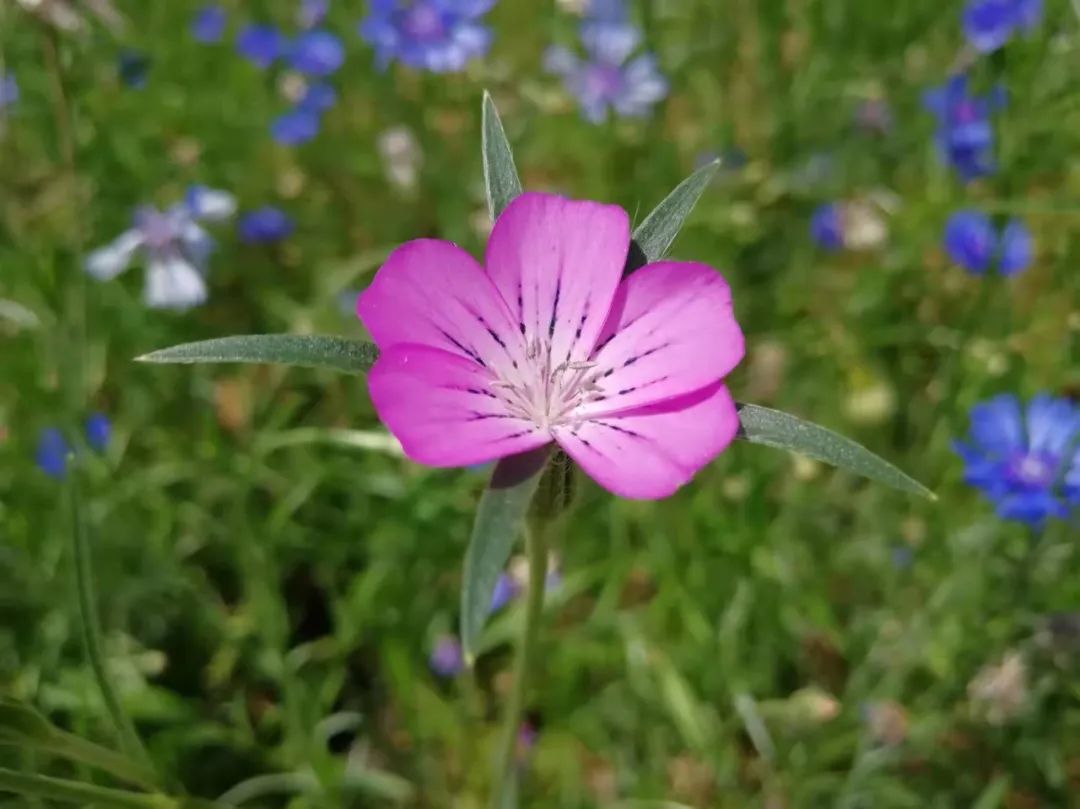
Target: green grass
point(269, 596)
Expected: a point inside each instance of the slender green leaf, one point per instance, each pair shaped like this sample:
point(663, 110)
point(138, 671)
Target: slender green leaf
point(773, 428)
point(499, 520)
point(655, 235)
point(500, 174)
point(311, 351)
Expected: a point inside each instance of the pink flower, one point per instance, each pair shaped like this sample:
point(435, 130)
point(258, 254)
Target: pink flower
point(548, 342)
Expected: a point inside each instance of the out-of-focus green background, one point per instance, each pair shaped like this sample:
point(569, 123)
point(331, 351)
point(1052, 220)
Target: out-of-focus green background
point(775, 635)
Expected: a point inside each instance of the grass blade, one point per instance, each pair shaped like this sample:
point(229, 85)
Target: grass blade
point(773, 428)
point(310, 351)
point(500, 174)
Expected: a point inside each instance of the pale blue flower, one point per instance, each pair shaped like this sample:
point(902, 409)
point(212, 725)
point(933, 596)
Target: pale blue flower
point(174, 246)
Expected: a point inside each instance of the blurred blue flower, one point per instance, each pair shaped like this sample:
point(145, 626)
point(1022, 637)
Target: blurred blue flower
point(989, 24)
point(312, 12)
point(447, 658)
point(209, 24)
point(827, 226)
point(607, 10)
point(506, 590)
point(607, 79)
point(98, 431)
point(265, 225)
point(9, 90)
point(297, 126)
point(318, 98)
point(174, 245)
point(209, 204)
point(437, 35)
point(965, 137)
point(52, 453)
point(972, 242)
point(133, 68)
point(1026, 463)
point(1028, 13)
point(261, 44)
point(317, 53)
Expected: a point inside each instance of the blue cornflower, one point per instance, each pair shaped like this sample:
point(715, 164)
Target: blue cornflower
point(261, 44)
point(9, 90)
point(827, 226)
point(209, 24)
point(52, 453)
point(133, 67)
point(317, 53)
point(312, 12)
point(964, 137)
point(298, 125)
point(1027, 463)
point(607, 79)
point(989, 24)
point(447, 658)
point(318, 98)
point(175, 246)
point(972, 241)
point(98, 431)
point(265, 225)
point(437, 35)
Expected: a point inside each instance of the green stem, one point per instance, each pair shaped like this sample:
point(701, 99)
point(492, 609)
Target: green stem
point(91, 627)
point(537, 553)
point(61, 789)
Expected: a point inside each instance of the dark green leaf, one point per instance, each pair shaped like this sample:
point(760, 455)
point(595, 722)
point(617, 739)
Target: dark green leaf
point(500, 175)
point(312, 351)
point(773, 428)
point(499, 520)
point(655, 235)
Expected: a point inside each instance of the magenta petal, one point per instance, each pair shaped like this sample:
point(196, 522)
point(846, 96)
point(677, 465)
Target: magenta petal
point(557, 263)
point(439, 406)
point(433, 293)
point(649, 452)
point(671, 331)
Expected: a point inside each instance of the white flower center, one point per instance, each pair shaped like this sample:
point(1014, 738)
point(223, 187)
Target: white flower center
point(547, 394)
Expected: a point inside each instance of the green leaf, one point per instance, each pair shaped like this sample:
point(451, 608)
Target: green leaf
point(773, 428)
point(655, 235)
point(499, 520)
point(311, 351)
point(500, 175)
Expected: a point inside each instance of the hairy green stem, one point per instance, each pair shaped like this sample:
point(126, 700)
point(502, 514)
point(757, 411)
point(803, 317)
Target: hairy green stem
point(537, 552)
point(62, 789)
point(91, 627)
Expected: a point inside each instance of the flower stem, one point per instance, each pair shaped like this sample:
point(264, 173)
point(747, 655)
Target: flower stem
point(537, 553)
point(91, 628)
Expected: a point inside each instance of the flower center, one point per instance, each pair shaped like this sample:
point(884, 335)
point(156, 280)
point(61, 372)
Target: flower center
point(159, 230)
point(546, 393)
point(1032, 470)
point(424, 23)
point(604, 80)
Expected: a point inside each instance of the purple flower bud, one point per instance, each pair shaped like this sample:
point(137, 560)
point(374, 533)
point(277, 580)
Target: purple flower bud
point(447, 659)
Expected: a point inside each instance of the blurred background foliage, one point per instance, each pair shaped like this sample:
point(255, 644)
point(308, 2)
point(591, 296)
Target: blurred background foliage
point(775, 635)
